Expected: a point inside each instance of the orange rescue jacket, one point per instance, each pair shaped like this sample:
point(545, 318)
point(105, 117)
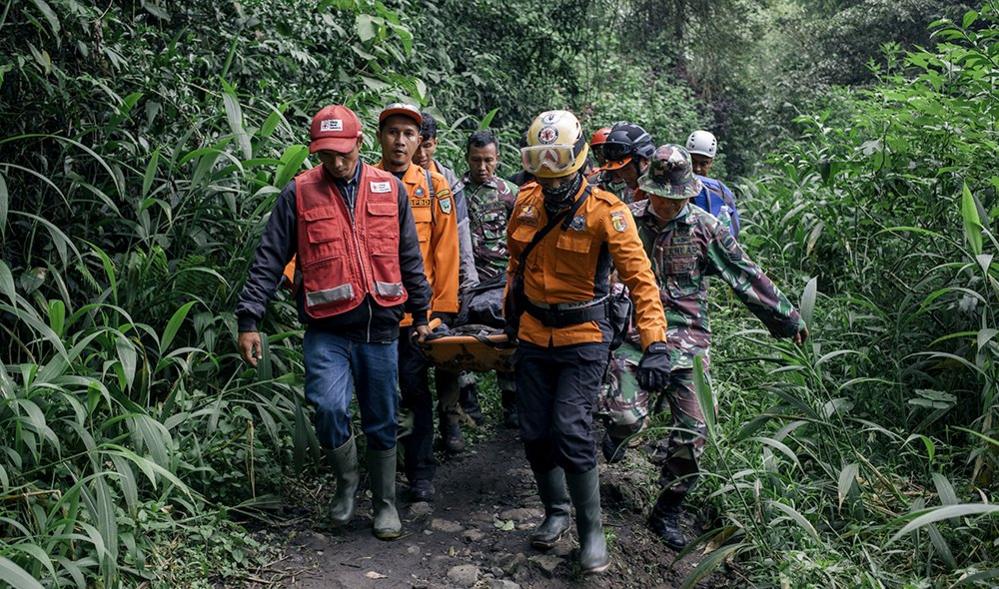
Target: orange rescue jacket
point(575, 265)
point(437, 227)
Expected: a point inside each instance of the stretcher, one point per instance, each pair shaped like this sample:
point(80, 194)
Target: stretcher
point(471, 347)
point(476, 348)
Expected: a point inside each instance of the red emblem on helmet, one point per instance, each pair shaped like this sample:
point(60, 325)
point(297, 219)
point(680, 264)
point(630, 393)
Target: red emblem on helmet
point(548, 135)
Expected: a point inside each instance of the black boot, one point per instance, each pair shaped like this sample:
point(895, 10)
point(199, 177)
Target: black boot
point(508, 399)
point(454, 442)
point(511, 419)
point(585, 491)
point(613, 449)
point(665, 520)
point(555, 496)
point(659, 452)
point(468, 398)
point(421, 490)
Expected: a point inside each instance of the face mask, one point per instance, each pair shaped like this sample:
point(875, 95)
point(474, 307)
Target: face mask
point(556, 198)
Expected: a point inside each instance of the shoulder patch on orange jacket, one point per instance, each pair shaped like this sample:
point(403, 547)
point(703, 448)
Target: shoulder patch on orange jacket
point(442, 191)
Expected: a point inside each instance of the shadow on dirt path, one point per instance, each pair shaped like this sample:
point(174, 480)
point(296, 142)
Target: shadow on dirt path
point(475, 534)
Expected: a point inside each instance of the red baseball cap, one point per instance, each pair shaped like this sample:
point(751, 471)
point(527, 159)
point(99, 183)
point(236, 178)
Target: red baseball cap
point(336, 128)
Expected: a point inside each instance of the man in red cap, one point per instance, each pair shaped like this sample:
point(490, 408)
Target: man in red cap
point(359, 268)
point(436, 219)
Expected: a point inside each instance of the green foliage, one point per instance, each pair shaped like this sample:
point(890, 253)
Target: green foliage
point(870, 458)
point(142, 144)
point(645, 93)
point(481, 55)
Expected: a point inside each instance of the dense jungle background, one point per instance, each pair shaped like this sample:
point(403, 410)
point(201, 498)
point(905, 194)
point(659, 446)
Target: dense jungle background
point(142, 144)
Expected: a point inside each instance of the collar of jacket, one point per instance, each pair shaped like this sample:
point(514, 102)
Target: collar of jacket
point(712, 182)
point(413, 175)
point(442, 169)
point(583, 184)
point(683, 216)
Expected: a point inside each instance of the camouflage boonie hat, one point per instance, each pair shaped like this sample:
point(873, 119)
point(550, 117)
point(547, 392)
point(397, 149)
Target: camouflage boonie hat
point(670, 174)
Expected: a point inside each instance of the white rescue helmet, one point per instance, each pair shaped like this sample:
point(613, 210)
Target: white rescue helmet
point(702, 143)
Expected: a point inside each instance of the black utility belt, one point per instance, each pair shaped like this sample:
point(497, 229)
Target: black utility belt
point(566, 314)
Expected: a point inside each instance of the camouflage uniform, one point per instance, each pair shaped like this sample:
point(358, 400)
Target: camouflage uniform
point(622, 403)
point(489, 207)
point(684, 253)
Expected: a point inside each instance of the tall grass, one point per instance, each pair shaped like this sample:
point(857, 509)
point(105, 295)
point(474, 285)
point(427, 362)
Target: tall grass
point(142, 145)
point(869, 456)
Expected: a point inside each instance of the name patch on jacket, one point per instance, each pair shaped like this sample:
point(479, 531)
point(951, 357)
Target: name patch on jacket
point(381, 187)
point(679, 250)
point(421, 202)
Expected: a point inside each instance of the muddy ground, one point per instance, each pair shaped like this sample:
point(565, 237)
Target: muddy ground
point(474, 534)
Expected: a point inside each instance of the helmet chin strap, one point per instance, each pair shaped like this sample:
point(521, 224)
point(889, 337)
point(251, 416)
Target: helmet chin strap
point(559, 198)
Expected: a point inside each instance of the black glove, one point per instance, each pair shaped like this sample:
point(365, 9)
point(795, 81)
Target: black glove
point(653, 369)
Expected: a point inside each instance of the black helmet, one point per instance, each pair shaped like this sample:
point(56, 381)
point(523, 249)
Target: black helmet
point(627, 140)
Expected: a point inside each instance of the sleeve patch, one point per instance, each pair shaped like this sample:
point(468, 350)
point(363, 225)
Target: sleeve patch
point(618, 221)
point(445, 205)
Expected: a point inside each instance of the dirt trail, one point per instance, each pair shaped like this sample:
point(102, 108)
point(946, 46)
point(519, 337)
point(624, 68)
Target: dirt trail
point(475, 534)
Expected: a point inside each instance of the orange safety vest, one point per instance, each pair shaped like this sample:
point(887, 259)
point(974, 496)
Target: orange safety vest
point(342, 257)
point(436, 219)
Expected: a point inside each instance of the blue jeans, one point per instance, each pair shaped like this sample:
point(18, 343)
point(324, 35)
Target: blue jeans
point(334, 368)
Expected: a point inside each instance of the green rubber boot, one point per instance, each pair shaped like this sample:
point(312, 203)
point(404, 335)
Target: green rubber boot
point(381, 469)
point(344, 460)
point(585, 491)
point(558, 520)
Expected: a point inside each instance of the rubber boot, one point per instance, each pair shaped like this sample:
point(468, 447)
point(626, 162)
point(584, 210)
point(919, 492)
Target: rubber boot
point(344, 460)
point(555, 496)
point(585, 491)
point(454, 441)
point(381, 469)
point(508, 400)
point(613, 449)
point(665, 520)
